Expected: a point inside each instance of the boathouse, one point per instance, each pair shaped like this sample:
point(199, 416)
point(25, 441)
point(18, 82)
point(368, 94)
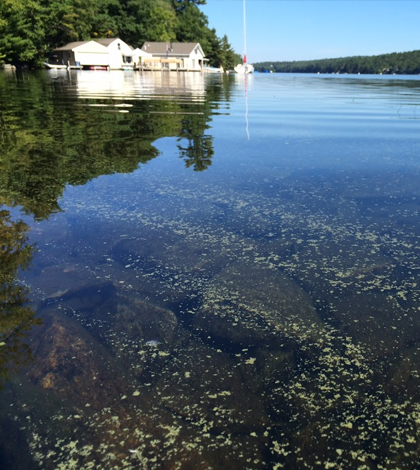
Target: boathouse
point(83, 53)
point(185, 56)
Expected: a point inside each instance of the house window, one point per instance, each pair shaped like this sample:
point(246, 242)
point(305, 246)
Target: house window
point(119, 46)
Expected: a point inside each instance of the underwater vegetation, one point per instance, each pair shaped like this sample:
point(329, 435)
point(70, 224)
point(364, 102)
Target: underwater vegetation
point(197, 302)
point(284, 337)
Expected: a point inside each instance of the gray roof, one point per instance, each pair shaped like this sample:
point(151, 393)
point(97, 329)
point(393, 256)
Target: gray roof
point(70, 46)
point(175, 48)
point(105, 41)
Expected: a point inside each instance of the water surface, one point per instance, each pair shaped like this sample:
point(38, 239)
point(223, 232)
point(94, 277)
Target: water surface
point(209, 271)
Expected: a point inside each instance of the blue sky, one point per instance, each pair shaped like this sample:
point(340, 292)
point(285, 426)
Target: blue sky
point(317, 29)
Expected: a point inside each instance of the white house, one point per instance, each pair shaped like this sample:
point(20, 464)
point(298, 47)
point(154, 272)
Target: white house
point(83, 53)
point(120, 53)
point(175, 55)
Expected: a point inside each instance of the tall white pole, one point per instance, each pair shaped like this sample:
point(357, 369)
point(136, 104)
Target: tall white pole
point(244, 34)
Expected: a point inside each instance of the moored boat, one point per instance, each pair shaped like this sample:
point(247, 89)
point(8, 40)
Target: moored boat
point(213, 69)
point(244, 68)
point(55, 66)
point(61, 66)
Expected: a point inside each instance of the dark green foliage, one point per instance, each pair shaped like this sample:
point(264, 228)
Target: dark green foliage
point(220, 52)
point(31, 29)
point(146, 20)
point(395, 63)
point(180, 6)
point(229, 58)
point(192, 23)
point(22, 36)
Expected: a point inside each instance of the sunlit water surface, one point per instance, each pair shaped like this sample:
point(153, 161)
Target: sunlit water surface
point(223, 271)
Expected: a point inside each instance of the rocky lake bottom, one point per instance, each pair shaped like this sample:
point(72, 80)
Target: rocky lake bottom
point(262, 314)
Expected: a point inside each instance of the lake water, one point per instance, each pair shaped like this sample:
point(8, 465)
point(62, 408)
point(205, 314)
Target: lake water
point(209, 272)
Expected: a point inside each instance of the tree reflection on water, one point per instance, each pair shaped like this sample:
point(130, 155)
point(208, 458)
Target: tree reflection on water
point(58, 143)
point(16, 317)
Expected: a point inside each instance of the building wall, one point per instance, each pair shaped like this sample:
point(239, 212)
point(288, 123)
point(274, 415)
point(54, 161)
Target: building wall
point(65, 58)
point(115, 60)
point(119, 53)
point(195, 60)
point(192, 63)
point(92, 58)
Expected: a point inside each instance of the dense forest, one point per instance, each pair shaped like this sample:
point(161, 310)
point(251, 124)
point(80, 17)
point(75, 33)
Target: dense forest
point(31, 29)
point(395, 63)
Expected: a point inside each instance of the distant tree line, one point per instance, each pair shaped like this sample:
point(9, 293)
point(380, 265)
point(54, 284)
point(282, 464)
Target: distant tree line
point(395, 63)
point(31, 29)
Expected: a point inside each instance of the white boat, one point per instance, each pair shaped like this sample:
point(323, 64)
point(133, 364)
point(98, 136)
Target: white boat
point(61, 67)
point(245, 67)
point(55, 66)
point(208, 69)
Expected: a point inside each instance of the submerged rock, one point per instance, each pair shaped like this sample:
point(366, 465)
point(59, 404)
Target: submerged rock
point(203, 384)
point(247, 305)
point(376, 321)
point(74, 366)
point(133, 331)
point(149, 324)
point(170, 266)
point(143, 335)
